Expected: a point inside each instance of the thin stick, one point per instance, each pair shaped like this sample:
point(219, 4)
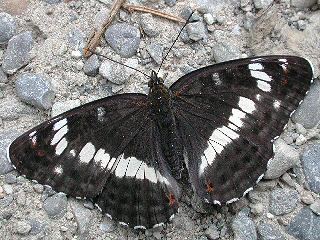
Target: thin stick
point(132, 8)
point(95, 39)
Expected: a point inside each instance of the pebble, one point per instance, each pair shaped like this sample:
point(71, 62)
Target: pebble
point(308, 113)
point(225, 51)
point(257, 208)
point(305, 225)
point(21, 198)
point(56, 205)
point(300, 140)
point(3, 76)
point(268, 231)
point(8, 189)
point(17, 54)
point(6, 201)
point(149, 25)
point(91, 66)
point(208, 18)
point(303, 3)
point(107, 225)
point(243, 227)
point(302, 24)
point(212, 232)
point(288, 180)
point(10, 178)
point(285, 158)
point(76, 39)
point(61, 107)
point(6, 138)
point(123, 38)
point(8, 27)
point(83, 216)
point(155, 50)
point(315, 207)
point(117, 73)
point(196, 31)
point(38, 188)
point(262, 4)
point(22, 227)
point(306, 197)
point(311, 166)
point(35, 90)
point(36, 226)
point(76, 54)
point(283, 201)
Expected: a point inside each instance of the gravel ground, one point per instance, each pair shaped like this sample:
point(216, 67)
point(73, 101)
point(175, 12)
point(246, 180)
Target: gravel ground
point(42, 74)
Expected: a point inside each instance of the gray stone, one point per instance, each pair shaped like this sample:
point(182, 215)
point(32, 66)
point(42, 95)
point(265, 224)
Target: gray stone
point(56, 205)
point(209, 19)
point(17, 54)
point(7, 188)
point(315, 207)
point(89, 205)
point(196, 31)
point(107, 225)
point(303, 3)
point(91, 66)
point(155, 50)
point(267, 231)
point(261, 4)
point(308, 113)
point(6, 201)
point(76, 39)
point(285, 158)
point(3, 76)
point(306, 197)
point(225, 51)
point(305, 225)
point(38, 188)
point(123, 38)
point(35, 90)
point(5, 139)
point(149, 25)
point(36, 226)
point(10, 178)
point(212, 232)
point(243, 227)
point(83, 216)
point(311, 166)
point(7, 27)
point(283, 201)
point(61, 107)
point(22, 227)
point(302, 24)
point(117, 73)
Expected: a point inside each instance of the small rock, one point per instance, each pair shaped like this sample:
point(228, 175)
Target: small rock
point(76, 39)
point(170, 3)
point(315, 207)
point(225, 51)
point(56, 205)
point(83, 216)
point(17, 53)
point(3, 77)
point(196, 31)
point(300, 129)
point(301, 140)
point(21, 198)
point(303, 3)
point(61, 107)
point(22, 227)
point(8, 189)
point(149, 25)
point(117, 73)
point(5, 140)
point(267, 231)
point(76, 54)
point(123, 38)
point(91, 66)
point(38, 188)
point(10, 178)
point(208, 18)
point(302, 24)
point(283, 201)
point(257, 208)
point(288, 180)
point(285, 158)
point(212, 232)
point(262, 4)
point(311, 166)
point(308, 113)
point(7, 27)
point(305, 225)
point(35, 90)
point(88, 204)
point(243, 227)
point(6, 201)
point(107, 225)
point(306, 197)
point(79, 65)
point(155, 50)
point(36, 226)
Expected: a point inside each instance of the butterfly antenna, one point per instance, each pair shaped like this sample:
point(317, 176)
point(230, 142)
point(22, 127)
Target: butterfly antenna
point(112, 60)
point(185, 24)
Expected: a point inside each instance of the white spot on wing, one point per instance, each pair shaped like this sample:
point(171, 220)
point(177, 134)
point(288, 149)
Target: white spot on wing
point(217, 202)
point(236, 117)
point(276, 104)
point(255, 66)
point(60, 134)
point(248, 190)
point(121, 167)
point(150, 174)
point(232, 200)
point(32, 133)
point(247, 105)
point(61, 146)
point(58, 170)
point(102, 157)
point(139, 227)
point(73, 152)
point(59, 124)
point(260, 75)
point(87, 153)
point(264, 86)
point(133, 166)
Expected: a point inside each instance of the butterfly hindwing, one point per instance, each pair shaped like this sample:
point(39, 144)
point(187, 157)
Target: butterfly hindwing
point(103, 150)
point(229, 113)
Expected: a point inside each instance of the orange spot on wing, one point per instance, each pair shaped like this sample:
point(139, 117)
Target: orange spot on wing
point(209, 186)
point(171, 199)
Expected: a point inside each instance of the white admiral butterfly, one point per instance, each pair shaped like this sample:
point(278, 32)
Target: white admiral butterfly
point(126, 152)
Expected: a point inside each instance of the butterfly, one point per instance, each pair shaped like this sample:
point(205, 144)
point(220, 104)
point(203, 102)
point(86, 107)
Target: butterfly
point(126, 152)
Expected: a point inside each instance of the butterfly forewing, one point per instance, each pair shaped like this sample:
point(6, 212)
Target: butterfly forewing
point(103, 150)
point(229, 113)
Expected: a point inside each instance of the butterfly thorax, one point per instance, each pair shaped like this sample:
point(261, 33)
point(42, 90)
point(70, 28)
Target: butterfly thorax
point(160, 98)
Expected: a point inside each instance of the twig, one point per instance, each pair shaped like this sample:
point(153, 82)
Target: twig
point(132, 8)
point(95, 39)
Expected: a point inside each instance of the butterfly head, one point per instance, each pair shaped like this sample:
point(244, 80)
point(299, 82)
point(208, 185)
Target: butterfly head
point(155, 80)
